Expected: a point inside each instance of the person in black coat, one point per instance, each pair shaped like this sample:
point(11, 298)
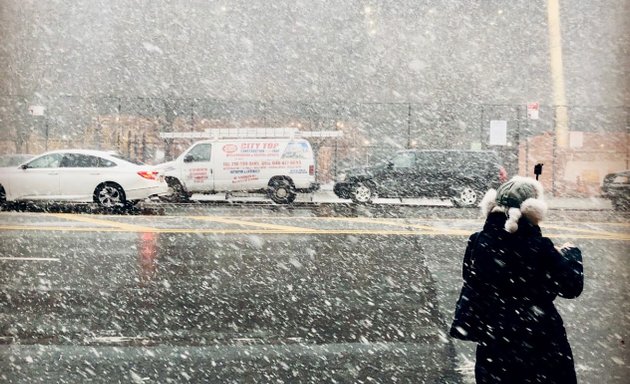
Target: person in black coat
point(512, 274)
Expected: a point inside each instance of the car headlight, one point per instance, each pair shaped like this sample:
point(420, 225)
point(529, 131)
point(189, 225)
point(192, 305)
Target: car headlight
point(341, 177)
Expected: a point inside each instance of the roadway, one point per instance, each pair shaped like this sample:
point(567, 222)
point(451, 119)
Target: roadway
point(260, 293)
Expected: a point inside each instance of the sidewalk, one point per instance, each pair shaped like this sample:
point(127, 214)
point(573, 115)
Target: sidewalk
point(584, 204)
point(325, 195)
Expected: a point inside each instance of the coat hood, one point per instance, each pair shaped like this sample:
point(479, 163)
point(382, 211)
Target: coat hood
point(519, 197)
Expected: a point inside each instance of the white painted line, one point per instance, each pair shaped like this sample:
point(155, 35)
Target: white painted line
point(29, 258)
point(116, 339)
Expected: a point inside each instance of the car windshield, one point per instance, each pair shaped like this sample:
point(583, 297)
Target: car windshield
point(308, 178)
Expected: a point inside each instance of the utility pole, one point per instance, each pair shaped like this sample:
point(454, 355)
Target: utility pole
point(561, 115)
point(46, 127)
point(409, 126)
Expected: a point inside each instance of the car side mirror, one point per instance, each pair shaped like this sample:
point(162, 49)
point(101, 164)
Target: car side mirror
point(24, 166)
point(390, 165)
point(189, 158)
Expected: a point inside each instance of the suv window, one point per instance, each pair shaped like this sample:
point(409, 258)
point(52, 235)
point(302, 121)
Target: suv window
point(475, 157)
point(404, 160)
point(430, 159)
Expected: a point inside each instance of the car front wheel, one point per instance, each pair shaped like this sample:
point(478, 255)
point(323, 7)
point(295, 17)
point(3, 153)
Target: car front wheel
point(466, 196)
point(109, 195)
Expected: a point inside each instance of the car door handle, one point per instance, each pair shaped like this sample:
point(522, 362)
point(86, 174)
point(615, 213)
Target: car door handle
point(54, 173)
point(95, 174)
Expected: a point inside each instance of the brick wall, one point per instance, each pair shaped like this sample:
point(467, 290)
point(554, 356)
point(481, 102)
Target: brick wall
point(579, 170)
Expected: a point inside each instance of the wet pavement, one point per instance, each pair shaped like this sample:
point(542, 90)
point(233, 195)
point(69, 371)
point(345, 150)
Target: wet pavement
point(203, 293)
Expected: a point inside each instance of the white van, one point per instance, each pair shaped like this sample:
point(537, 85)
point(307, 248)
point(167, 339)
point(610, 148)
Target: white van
point(280, 167)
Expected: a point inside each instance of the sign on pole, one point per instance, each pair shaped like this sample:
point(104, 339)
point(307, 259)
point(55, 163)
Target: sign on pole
point(532, 110)
point(576, 139)
point(37, 110)
point(498, 132)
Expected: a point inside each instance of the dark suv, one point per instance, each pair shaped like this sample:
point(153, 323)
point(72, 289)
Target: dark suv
point(461, 176)
point(616, 187)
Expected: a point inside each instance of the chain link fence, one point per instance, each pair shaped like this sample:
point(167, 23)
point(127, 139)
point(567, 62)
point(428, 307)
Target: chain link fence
point(371, 131)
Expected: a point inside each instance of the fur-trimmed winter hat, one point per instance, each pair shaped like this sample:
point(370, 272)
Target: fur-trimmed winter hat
point(520, 196)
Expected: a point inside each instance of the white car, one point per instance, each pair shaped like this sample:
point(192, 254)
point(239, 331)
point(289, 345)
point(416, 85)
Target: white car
point(81, 176)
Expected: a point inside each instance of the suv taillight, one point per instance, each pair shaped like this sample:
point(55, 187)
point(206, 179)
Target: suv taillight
point(311, 170)
point(503, 176)
point(151, 175)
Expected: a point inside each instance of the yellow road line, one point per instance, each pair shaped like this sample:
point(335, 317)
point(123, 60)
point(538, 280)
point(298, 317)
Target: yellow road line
point(108, 223)
point(424, 227)
point(66, 229)
point(604, 233)
point(268, 228)
point(287, 232)
point(547, 224)
point(224, 220)
point(591, 237)
point(310, 230)
point(462, 232)
point(368, 220)
point(207, 230)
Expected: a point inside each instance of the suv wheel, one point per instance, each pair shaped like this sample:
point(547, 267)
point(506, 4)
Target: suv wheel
point(621, 204)
point(361, 193)
point(466, 196)
point(3, 197)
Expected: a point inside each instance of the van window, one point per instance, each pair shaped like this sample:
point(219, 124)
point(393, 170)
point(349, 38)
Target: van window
point(296, 150)
point(200, 152)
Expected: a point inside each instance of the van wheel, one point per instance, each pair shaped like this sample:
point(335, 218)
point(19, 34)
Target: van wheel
point(466, 196)
point(281, 191)
point(178, 192)
point(361, 193)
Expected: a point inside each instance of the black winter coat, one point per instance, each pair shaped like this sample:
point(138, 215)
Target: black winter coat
point(510, 283)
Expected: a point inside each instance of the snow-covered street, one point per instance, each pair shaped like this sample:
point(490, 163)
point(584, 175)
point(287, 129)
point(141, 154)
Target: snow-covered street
point(292, 294)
